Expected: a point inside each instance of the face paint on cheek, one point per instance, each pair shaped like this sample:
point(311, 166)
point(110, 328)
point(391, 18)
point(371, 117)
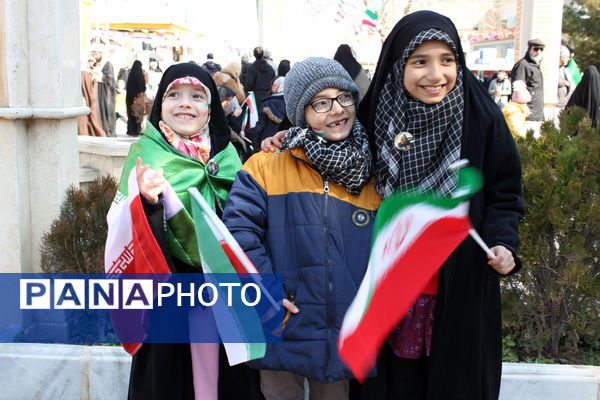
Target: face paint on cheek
point(319, 133)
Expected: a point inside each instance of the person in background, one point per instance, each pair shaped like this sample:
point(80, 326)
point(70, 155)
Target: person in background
point(587, 94)
point(244, 73)
point(120, 106)
point(344, 56)
point(259, 78)
point(228, 101)
point(516, 111)
point(229, 76)
point(107, 90)
point(283, 68)
point(89, 125)
point(135, 99)
point(231, 108)
point(566, 85)
point(500, 89)
point(527, 69)
point(154, 74)
point(210, 66)
point(271, 114)
point(487, 80)
point(270, 61)
point(233, 112)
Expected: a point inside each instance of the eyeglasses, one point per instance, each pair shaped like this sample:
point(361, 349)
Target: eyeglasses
point(324, 104)
point(537, 48)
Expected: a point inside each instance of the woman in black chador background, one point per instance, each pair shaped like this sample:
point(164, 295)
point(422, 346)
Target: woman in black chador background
point(135, 99)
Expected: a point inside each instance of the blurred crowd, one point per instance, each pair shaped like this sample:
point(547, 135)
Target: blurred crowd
point(120, 101)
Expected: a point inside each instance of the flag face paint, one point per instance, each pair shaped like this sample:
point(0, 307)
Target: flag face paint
point(414, 234)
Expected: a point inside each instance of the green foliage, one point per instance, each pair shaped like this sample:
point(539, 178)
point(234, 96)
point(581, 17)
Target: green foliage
point(581, 19)
point(75, 242)
point(509, 354)
point(552, 308)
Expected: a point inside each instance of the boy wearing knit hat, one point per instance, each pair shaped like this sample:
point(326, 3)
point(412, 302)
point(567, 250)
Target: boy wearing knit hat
point(307, 212)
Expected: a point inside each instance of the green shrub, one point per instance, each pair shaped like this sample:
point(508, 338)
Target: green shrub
point(75, 242)
point(551, 310)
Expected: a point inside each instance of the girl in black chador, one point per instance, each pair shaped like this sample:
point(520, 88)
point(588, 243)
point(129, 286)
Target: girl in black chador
point(449, 345)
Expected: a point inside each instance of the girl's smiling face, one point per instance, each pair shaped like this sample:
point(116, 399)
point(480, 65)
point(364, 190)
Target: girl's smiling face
point(185, 109)
point(430, 72)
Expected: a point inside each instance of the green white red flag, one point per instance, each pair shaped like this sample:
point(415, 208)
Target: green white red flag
point(221, 254)
point(250, 118)
point(368, 22)
point(130, 243)
point(413, 236)
point(132, 248)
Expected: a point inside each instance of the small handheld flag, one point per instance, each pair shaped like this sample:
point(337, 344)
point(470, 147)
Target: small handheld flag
point(250, 118)
point(413, 236)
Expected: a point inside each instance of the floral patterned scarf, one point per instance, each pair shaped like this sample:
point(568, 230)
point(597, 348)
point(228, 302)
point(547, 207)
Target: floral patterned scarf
point(197, 146)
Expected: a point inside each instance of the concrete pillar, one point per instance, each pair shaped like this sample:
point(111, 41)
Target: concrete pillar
point(260, 14)
point(543, 19)
point(40, 99)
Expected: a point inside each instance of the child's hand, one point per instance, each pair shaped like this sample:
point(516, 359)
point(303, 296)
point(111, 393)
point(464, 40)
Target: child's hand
point(504, 261)
point(291, 307)
point(151, 183)
point(274, 142)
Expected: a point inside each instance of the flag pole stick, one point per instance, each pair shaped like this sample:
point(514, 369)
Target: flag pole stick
point(480, 242)
point(453, 168)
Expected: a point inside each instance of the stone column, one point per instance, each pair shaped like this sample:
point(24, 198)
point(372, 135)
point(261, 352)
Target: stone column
point(40, 99)
point(543, 19)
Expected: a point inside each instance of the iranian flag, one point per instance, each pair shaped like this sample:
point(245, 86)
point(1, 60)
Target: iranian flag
point(130, 243)
point(132, 248)
point(369, 23)
point(414, 234)
point(129, 234)
point(250, 117)
point(220, 254)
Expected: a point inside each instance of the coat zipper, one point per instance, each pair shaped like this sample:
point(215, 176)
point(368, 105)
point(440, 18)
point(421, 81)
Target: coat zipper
point(330, 278)
point(330, 271)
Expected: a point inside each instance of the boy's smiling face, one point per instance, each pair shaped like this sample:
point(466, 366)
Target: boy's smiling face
point(185, 109)
point(430, 72)
point(335, 124)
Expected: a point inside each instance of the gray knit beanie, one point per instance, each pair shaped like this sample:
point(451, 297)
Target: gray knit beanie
point(309, 77)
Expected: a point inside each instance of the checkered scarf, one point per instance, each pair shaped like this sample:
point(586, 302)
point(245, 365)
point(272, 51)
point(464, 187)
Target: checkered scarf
point(436, 128)
point(347, 162)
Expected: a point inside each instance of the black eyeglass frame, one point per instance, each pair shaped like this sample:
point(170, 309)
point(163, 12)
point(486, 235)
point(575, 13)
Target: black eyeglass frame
point(331, 99)
point(537, 48)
